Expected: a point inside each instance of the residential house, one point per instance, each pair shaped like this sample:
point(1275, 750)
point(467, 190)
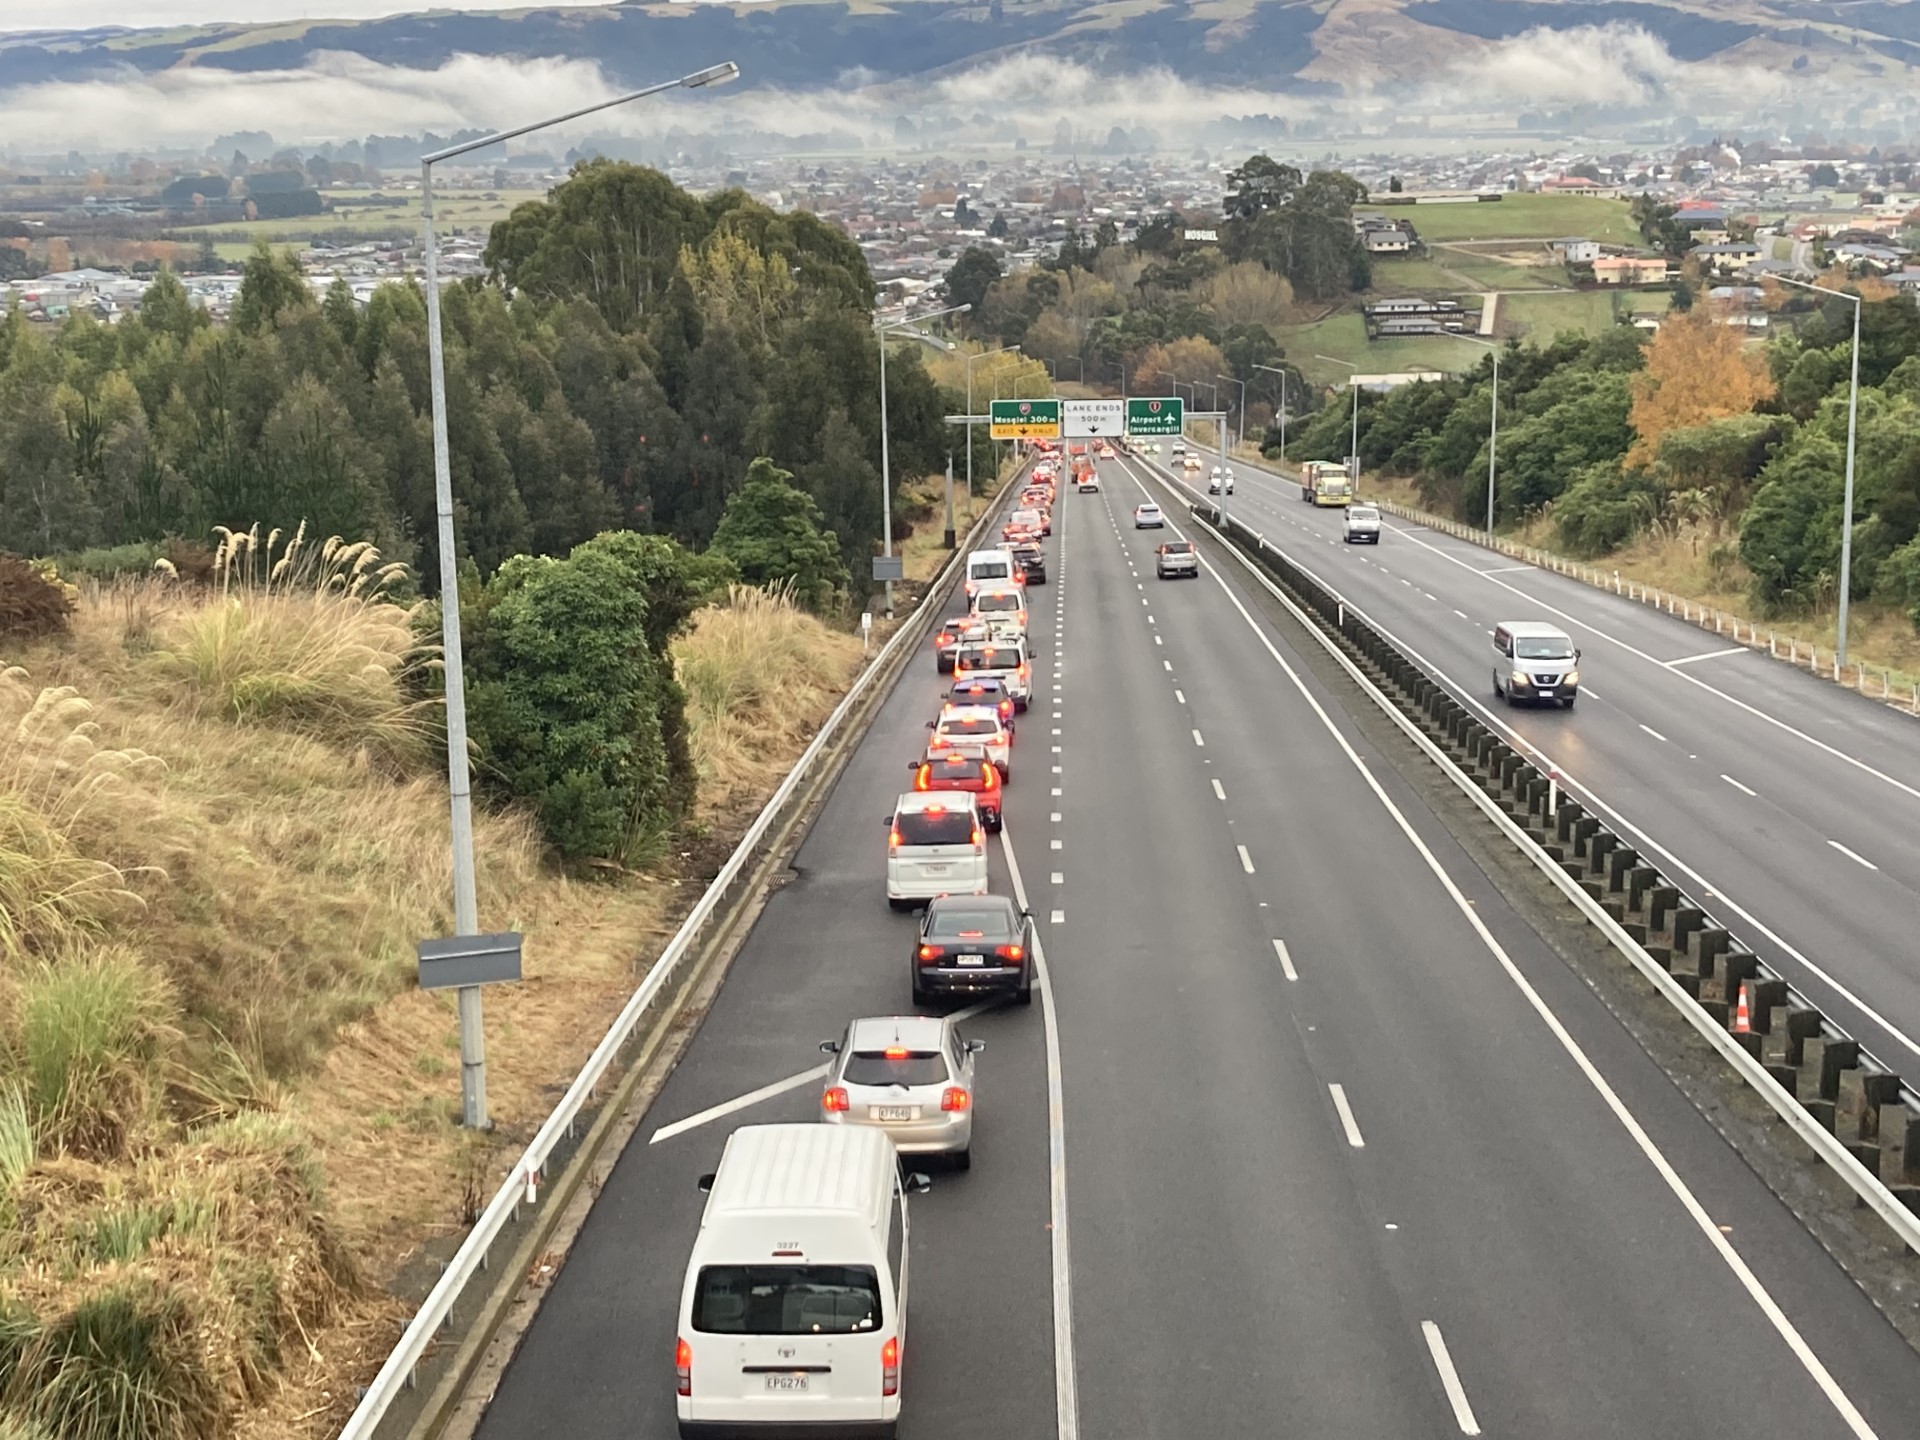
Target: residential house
point(1579, 185)
point(1729, 257)
point(1907, 280)
point(1630, 269)
point(1576, 250)
point(1386, 242)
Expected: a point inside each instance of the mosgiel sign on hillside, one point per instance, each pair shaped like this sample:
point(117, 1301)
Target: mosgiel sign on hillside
point(1025, 419)
point(1164, 416)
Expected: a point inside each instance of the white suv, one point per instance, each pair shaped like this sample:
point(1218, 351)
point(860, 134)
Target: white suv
point(936, 845)
point(1362, 524)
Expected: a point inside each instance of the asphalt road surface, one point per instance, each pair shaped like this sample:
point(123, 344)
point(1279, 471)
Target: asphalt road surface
point(1340, 1147)
point(1789, 806)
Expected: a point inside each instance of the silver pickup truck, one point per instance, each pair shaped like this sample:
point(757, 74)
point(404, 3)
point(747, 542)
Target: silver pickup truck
point(1176, 557)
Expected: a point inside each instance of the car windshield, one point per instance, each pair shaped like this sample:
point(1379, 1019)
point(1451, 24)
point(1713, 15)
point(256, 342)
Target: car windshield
point(786, 1300)
point(934, 827)
point(987, 924)
point(896, 1066)
point(1363, 512)
point(1542, 647)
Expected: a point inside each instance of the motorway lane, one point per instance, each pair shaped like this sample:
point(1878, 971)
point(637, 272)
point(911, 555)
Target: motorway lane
point(1749, 809)
point(1497, 1193)
point(597, 1362)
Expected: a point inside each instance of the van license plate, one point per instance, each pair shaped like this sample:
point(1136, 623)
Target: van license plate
point(936, 869)
point(893, 1112)
point(787, 1383)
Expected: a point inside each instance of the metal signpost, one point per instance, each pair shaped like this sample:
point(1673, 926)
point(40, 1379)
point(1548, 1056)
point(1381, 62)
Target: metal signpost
point(1024, 420)
point(466, 960)
point(1156, 416)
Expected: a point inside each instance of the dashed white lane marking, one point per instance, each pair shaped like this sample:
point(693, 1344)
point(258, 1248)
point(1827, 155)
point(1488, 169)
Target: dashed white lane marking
point(1059, 917)
point(1738, 786)
point(1056, 769)
point(1058, 846)
point(1056, 749)
point(1180, 695)
point(1157, 640)
point(1167, 665)
point(1056, 729)
point(1853, 855)
point(1058, 878)
point(1710, 655)
point(1219, 791)
point(1054, 817)
point(1286, 960)
point(1246, 860)
point(1464, 616)
point(1347, 1122)
point(1449, 1379)
point(1198, 740)
point(1654, 733)
point(1056, 789)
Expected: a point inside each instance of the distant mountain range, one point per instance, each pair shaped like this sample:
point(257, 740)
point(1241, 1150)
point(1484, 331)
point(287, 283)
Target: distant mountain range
point(1278, 45)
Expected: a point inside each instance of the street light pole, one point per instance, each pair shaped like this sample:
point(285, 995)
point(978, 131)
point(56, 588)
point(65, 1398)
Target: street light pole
point(1353, 446)
point(466, 900)
point(1274, 369)
point(1846, 518)
point(886, 466)
point(1008, 349)
point(1493, 424)
point(1241, 439)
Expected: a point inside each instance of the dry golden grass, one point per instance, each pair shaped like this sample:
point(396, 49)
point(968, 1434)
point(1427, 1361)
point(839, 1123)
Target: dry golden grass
point(760, 676)
point(923, 552)
point(229, 1119)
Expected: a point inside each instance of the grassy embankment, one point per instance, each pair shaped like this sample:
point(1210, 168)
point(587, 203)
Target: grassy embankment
point(228, 1117)
point(469, 211)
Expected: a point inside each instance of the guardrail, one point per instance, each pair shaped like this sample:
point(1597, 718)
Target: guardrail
point(1739, 629)
point(522, 1184)
point(1855, 1111)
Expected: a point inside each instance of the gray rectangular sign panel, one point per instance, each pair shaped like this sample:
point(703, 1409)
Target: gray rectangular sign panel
point(469, 960)
point(887, 567)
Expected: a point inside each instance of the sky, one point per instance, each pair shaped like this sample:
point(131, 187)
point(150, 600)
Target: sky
point(80, 14)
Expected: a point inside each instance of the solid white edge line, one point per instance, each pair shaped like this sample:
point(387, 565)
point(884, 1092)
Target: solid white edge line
point(739, 1102)
point(1246, 860)
point(1750, 1282)
point(1066, 1392)
point(1853, 855)
point(1449, 1379)
point(1286, 960)
point(1347, 1122)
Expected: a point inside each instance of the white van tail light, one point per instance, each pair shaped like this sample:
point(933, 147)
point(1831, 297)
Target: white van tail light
point(890, 1366)
point(683, 1367)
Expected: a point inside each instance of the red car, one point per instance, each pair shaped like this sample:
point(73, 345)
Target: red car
point(963, 772)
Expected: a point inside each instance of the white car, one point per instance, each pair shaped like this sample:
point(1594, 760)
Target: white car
point(975, 730)
point(936, 845)
point(908, 1076)
point(1000, 654)
point(1221, 479)
point(1362, 525)
point(1179, 448)
point(1191, 463)
point(1148, 517)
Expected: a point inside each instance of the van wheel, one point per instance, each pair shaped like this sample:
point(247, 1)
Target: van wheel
point(893, 904)
point(1498, 693)
point(962, 1159)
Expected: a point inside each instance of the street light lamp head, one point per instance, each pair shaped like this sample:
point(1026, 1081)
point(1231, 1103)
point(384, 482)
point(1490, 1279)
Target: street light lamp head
point(720, 74)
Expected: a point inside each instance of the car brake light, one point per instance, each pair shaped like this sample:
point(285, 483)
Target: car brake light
point(936, 809)
point(929, 952)
point(979, 842)
point(890, 1366)
point(971, 934)
point(989, 777)
point(953, 1099)
point(893, 838)
point(682, 1367)
point(1025, 669)
point(923, 777)
point(835, 1100)
point(1010, 952)
point(895, 1052)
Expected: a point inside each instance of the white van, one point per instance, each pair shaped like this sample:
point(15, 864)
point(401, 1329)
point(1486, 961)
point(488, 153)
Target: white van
point(793, 1314)
point(936, 845)
point(1535, 661)
point(1000, 602)
point(993, 567)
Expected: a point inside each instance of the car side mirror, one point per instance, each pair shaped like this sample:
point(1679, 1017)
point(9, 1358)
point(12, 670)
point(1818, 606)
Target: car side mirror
point(1026, 914)
point(705, 1183)
point(974, 1047)
point(830, 1047)
point(911, 765)
point(931, 724)
point(918, 1183)
point(1576, 656)
point(887, 820)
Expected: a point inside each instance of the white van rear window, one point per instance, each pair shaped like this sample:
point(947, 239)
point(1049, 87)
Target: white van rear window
point(934, 827)
point(991, 569)
point(786, 1300)
point(1002, 603)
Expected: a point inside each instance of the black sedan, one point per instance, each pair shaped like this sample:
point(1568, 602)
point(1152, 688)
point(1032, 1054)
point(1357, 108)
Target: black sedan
point(974, 945)
point(1033, 560)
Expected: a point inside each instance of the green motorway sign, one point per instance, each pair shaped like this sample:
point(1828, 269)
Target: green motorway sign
point(1025, 419)
point(1156, 417)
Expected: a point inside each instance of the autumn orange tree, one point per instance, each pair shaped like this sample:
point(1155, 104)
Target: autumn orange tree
point(1696, 371)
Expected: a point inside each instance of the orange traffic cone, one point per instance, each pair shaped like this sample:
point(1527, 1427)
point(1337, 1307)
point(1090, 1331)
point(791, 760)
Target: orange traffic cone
point(1742, 1014)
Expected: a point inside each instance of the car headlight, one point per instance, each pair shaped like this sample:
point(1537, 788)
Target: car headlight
point(1519, 677)
point(1572, 677)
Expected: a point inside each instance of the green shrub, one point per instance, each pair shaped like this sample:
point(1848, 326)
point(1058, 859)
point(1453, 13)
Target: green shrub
point(1603, 509)
point(771, 531)
point(113, 561)
point(34, 601)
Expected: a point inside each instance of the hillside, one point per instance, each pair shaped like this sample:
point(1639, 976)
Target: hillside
point(1276, 45)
